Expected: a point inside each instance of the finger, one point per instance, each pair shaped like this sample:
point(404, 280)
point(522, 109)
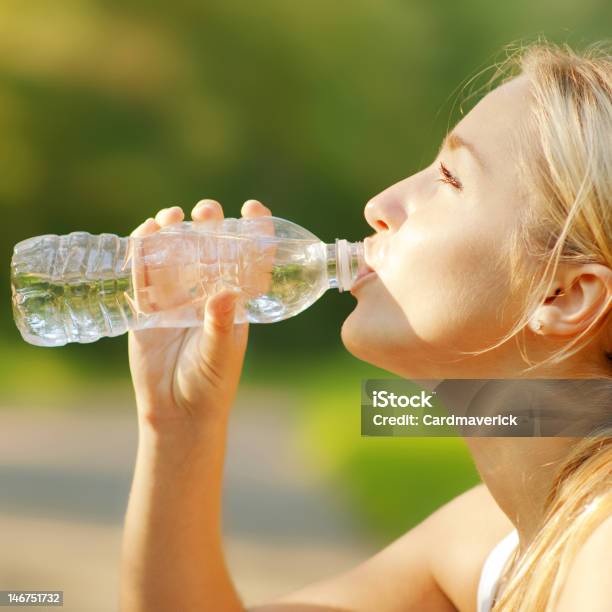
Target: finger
point(140, 278)
point(168, 216)
point(218, 316)
point(256, 278)
point(254, 208)
point(207, 209)
point(169, 279)
point(146, 227)
point(218, 341)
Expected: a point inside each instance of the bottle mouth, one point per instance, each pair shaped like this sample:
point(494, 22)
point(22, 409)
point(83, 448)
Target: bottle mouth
point(350, 262)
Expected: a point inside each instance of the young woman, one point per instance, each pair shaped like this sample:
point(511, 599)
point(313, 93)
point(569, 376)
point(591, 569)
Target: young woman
point(507, 239)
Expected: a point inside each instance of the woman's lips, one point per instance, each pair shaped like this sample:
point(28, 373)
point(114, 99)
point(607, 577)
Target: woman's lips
point(363, 276)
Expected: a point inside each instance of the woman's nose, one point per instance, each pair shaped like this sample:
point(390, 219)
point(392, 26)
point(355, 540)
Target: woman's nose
point(384, 213)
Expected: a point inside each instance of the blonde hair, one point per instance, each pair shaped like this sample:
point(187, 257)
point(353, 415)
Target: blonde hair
point(563, 155)
point(565, 165)
point(579, 500)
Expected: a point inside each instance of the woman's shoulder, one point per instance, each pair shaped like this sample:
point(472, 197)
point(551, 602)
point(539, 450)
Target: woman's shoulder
point(433, 566)
point(463, 533)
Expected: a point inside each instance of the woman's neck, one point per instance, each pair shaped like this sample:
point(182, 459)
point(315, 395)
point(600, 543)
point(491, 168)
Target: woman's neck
point(519, 473)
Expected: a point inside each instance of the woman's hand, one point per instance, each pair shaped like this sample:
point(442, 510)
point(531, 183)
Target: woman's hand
point(185, 377)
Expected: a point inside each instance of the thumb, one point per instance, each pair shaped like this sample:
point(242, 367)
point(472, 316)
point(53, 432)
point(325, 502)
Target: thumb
point(218, 344)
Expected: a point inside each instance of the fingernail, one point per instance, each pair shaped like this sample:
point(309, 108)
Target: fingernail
point(205, 203)
point(227, 305)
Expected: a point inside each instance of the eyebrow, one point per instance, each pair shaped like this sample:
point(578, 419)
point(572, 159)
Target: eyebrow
point(452, 141)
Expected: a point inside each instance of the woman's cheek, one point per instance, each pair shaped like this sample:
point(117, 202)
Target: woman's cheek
point(425, 301)
point(439, 289)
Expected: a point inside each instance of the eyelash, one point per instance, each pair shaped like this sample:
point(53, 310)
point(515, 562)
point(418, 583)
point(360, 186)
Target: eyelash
point(449, 178)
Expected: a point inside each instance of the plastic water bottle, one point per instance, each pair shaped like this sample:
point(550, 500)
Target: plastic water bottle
point(81, 287)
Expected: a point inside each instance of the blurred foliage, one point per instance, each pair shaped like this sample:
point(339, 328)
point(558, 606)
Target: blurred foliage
point(112, 110)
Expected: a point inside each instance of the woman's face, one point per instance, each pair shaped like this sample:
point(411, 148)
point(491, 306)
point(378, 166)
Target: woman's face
point(441, 255)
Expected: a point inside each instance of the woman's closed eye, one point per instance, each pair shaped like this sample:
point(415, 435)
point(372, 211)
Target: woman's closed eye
point(447, 177)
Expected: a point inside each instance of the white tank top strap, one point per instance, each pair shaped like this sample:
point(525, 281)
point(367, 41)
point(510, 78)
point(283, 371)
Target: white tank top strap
point(492, 569)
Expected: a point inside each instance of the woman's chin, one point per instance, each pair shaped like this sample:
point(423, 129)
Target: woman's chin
point(384, 341)
point(351, 332)
point(360, 335)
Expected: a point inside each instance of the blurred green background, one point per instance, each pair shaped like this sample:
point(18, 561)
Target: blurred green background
point(112, 110)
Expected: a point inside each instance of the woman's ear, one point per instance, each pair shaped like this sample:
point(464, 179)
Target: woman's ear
point(580, 294)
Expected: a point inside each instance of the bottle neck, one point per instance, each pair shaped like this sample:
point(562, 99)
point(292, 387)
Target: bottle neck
point(345, 261)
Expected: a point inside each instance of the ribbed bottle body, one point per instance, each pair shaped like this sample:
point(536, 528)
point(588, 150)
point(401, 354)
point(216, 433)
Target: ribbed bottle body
point(70, 288)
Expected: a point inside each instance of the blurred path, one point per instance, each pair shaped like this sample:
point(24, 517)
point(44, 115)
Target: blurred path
point(64, 483)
